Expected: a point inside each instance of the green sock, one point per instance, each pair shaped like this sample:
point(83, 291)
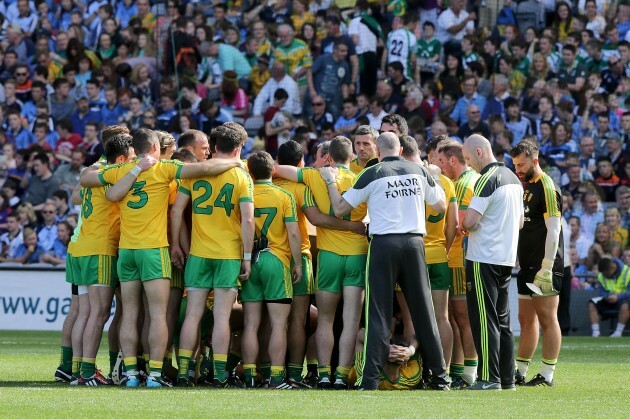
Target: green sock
point(66, 358)
point(88, 367)
point(324, 371)
point(295, 372)
point(277, 374)
point(341, 373)
point(250, 372)
point(155, 368)
point(113, 357)
point(131, 366)
point(232, 362)
point(219, 361)
point(457, 370)
point(183, 361)
point(76, 366)
point(265, 369)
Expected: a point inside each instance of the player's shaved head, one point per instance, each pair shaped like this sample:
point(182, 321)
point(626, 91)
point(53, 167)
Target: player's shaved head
point(260, 165)
point(388, 145)
point(478, 152)
point(144, 139)
point(340, 150)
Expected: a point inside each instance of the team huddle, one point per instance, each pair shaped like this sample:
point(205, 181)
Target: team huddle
point(237, 274)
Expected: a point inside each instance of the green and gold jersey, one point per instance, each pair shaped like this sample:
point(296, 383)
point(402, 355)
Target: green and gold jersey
point(273, 207)
point(336, 241)
point(435, 240)
point(216, 213)
point(464, 190)
point(303, 199)
point(143, 211)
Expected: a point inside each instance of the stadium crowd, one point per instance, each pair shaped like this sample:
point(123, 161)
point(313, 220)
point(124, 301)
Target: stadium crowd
point(310, 71)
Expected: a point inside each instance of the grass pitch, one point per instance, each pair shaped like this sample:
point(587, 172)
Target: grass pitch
point(591, 380)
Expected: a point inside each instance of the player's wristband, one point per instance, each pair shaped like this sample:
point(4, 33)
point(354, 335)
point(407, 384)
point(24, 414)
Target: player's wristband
point(412, 350)
point(329, 182)
point(135, 171)
point(247, 256)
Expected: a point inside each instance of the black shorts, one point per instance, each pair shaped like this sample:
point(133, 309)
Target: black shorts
point(527, 275)
point(75, 290)
point(605, 308)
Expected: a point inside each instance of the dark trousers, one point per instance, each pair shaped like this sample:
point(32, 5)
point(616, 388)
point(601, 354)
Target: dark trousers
point(489, 313)
point(564, 315)
point(398, 258)
point(368, 73)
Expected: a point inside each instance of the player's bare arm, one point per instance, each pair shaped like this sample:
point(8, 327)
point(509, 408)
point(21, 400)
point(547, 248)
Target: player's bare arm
point(319, 219)
point(118, 191)
point(177, 211)
point(295, 242)
point(248, 230)
point(210, 167)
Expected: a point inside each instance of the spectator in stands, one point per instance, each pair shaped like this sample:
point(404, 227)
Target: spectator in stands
point(68, 140)
point(47, 230)
point(133, 118)
point(471, 97)
point(347, 122)
point(607, 180)
point(61, 103)
point(60, 201)
point(41, 137)
point(10, 99)
point(17, 133)
point(591, 213)
point(495, 105)
point(453, 24)
point(56, 255)
point(279, 79)
point(623, 204)
point(603, 246)
point(10, 190)
point(613, 221)
point(614, 281)
point(30, 250)
point(376, 113)
point(293, 53)
point(91, 144)
point(233, 98)
point(41, 184)
point(67, 175)
point(274, 126)
point(474, 124)
point(329, 78)
point(228, 58)
point(21, 44)
point(571, 71)
point(520, 126)
point(329, 43)
point(587, 158)
point(581, 243)
point(12, 239)
point(83, 115)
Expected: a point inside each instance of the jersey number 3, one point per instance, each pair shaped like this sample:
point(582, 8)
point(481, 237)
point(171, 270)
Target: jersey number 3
point(136, 191)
